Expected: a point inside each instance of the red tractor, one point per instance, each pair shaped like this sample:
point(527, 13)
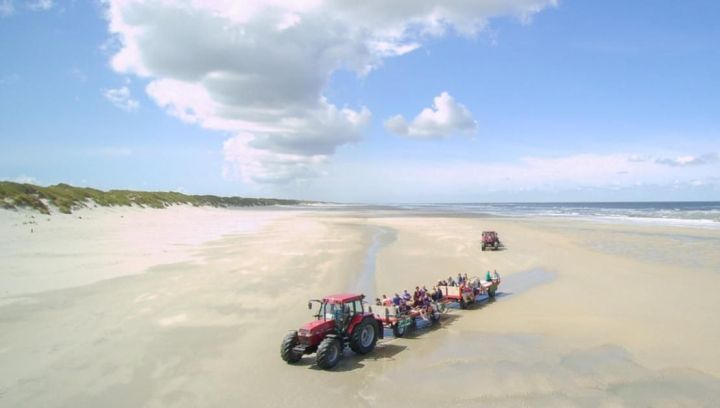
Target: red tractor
point(490, 240)
point(341, 320)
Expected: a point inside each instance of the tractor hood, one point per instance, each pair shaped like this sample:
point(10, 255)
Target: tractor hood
point(317, 326)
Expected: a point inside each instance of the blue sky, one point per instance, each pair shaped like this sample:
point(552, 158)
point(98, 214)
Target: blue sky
point(532, 100)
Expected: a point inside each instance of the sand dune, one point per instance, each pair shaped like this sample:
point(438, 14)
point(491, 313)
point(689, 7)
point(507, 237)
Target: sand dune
point(187, 307)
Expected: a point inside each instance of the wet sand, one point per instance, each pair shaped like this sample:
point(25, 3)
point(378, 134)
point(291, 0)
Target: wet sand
point(188, 307)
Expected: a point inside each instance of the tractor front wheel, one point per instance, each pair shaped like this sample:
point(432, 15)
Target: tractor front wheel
point(364, 336)
point(329, 353)
point(286, 348)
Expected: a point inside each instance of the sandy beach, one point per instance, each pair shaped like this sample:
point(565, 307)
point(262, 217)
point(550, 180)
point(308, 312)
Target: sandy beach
point(186, 307)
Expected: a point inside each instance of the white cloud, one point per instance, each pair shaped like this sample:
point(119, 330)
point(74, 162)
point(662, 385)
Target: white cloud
point(444, 118)
point(7, 7)
point(690, 160)
point(263, 166)
point(531, 177)
point(259, 68)
point(23, 179)
point(121, 98)
point(40, 5)
point(110, 152)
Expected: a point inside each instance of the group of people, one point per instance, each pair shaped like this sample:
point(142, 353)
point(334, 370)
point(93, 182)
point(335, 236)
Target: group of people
point(422, 298)
point(461, 280)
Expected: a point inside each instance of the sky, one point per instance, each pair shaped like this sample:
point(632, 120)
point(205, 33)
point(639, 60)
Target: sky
point(372, 101)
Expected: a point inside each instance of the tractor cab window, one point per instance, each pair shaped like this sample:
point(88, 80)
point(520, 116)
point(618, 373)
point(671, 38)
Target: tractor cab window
point(356, 307)
point(329, 309)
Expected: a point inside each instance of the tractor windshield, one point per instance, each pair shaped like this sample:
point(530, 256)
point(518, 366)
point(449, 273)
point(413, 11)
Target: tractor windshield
point(328, 311)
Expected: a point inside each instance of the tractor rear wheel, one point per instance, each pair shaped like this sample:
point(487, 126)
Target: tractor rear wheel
point(491, 292)
point(286, 348)
point(463, 305)
point(364, 336)
point(329, 353)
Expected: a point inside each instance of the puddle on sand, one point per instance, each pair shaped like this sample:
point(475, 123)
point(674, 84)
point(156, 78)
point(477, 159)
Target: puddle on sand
point(365, 282)
point(520, 282)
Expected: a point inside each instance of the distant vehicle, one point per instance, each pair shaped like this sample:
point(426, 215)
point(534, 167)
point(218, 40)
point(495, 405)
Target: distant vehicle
point(491, 240)
point(341, 320)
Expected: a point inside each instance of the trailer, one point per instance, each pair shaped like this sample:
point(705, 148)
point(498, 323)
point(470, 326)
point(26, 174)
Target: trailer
point(466, 294)
point(402, 319)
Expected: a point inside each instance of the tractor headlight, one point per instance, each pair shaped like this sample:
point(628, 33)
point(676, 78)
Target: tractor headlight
point(304, 333)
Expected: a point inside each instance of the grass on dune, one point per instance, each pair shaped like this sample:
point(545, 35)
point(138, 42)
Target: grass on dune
point(66, 198)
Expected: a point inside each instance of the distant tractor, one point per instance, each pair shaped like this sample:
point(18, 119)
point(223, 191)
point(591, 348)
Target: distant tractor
point(341, 320)
point(490, 240)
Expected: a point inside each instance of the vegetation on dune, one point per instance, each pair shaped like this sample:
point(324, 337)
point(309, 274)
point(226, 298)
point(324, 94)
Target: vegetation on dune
point(67, 198)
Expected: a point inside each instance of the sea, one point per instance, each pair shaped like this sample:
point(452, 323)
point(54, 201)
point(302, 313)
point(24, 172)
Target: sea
point(689, 213)
point(702, 214)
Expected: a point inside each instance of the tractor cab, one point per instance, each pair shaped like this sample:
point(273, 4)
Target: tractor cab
point(336, 306)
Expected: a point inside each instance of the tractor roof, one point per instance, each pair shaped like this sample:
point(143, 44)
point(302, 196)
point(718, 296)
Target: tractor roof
point(344, 297)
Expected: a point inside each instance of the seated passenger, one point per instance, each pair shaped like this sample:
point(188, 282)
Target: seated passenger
point(416, 296)
point(396, 300)
point(386, 301)
point(403, 308)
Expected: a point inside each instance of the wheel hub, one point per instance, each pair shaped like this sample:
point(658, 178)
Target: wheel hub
point(366, 336)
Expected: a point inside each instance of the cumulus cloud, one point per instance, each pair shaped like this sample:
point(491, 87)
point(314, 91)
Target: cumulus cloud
point(444, 118)
point(689, 160)
point(121, 98)
point(258, 69)
point(265, 166)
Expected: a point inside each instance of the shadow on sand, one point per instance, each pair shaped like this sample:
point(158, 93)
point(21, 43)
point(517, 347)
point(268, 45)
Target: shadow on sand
point(386, 349)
